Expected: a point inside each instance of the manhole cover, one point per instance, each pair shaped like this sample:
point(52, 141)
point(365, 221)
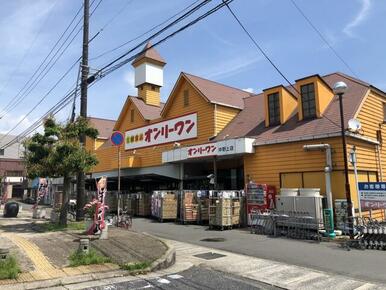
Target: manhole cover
point(209, 256)
point(213, 240)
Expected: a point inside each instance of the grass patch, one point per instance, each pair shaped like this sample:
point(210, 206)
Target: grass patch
point(79, 258)
point(54, 227)
point(136, 266)
point(9, 269)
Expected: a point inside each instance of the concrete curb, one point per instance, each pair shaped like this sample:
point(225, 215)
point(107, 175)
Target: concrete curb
point(165, 261)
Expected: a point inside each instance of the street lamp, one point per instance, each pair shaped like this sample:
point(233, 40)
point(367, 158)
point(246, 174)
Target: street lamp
point(339, 89)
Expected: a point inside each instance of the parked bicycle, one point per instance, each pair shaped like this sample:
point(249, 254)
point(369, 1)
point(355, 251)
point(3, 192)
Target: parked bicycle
point(124, 220)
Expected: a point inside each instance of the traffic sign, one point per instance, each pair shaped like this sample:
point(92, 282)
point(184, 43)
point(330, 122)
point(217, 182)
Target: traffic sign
point(117, 138)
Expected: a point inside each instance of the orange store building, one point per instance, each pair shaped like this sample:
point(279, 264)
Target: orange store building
point(206, 127)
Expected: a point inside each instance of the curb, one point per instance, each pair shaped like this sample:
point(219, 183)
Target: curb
point(165, 261)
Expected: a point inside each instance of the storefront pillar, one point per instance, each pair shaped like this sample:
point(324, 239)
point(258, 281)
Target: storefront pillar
point(215, 172)
point(181, 186)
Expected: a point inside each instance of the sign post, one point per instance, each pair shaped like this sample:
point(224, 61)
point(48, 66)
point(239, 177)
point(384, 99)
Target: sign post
point(353, 160)
point(117, 140)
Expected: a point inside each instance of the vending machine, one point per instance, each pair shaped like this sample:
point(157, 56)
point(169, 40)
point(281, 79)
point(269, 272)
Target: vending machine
point(259, 197)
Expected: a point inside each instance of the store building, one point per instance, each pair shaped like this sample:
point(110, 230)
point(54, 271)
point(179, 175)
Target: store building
point(209, 128)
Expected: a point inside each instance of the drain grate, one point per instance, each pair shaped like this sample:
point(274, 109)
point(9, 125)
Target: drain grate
point(209, 256)
point(213, 240)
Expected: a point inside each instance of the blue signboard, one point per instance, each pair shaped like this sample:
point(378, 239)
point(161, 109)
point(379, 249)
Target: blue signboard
point(372, 194)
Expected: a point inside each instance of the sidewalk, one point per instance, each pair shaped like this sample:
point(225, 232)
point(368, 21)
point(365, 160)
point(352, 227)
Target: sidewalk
point(270, 272)
point(44, 256)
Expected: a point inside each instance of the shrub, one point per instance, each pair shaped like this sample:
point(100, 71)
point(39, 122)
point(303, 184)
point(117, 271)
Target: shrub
point(9, 268)
point(136, 266)
point(79, 258)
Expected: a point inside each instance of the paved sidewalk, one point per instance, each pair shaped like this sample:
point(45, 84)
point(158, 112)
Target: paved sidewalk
point(270, 272)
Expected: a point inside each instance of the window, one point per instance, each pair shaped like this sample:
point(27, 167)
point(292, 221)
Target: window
point(274, 109)
point(132, 115)
point(186, 98)
point(308, 101)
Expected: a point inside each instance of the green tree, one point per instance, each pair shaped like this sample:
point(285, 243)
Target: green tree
point(58, 153)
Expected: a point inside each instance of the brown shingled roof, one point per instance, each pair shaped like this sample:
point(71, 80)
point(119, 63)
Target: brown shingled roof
point(150, 54)
point(251, 121)
point(219, 93)
point(104, 126)
point(148, 112)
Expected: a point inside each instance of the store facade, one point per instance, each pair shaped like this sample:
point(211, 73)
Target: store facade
point(208, 130)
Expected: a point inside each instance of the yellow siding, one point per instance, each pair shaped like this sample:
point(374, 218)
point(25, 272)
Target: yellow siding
point(266, 164)
point(98, 143)
point(90, 144)
point(323, 95)
point(223, 115)
point(371, 116)
point(149, 95)
point(287, 105)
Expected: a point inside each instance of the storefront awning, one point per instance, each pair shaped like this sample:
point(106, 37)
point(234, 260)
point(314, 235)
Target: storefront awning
point(221, 148)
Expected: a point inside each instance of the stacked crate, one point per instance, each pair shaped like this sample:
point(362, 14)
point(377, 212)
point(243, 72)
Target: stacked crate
point(235, 212)
point(189, 210)
point(131, 203)
point(164, 205)
point(203, 209)
point(144, 204)
point(220, 213)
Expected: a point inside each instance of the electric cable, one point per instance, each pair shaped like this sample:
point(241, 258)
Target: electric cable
point(323, 38)
point(67, 99)
point(268, 58)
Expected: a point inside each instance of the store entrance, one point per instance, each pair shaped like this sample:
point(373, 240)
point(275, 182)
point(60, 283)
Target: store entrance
point(230, 174)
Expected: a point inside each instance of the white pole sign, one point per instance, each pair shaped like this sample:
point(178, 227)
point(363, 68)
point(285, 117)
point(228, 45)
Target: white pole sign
point(172, 130)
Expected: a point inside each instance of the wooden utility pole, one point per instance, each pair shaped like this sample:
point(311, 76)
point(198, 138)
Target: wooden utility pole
point(80, 197)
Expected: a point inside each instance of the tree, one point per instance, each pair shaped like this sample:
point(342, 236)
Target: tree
point(58, 153)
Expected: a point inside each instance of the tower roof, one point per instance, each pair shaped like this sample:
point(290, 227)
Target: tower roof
point(149, 53)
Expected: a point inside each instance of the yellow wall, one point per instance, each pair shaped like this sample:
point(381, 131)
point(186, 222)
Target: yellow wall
point(223, 115)
point(323, 95)
point(288, 103)
point(371, 116)
point(150, 96)
point(152, 156)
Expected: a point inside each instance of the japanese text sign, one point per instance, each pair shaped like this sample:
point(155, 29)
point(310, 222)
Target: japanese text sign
point(172, 130)
point(372, 194)
point(210, 149)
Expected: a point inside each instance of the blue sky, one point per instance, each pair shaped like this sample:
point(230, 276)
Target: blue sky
point(216, 48)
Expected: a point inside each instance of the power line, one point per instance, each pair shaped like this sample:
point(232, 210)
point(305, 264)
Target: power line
point(144, 33)
point(50, 64)
point(56, 84)
point(268, 58)
point(69, 96)
point(28, 49)
point(323, 38)
point(44, 60)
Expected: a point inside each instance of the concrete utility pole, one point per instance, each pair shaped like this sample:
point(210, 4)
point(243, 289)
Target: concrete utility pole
point(80, 197)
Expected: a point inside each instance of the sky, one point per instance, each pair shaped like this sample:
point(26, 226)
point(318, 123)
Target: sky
point(215, 48)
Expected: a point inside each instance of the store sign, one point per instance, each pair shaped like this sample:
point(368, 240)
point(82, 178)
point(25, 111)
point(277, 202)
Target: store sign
point(172, 130)
point(372, 194)
point(221, 148)
point(210, 149)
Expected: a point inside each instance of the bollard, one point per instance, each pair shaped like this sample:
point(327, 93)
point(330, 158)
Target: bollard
point(4, 252)
point(84, 246)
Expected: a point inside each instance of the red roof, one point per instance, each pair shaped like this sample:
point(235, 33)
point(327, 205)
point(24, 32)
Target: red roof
point(218, 93)
point(149, 53)
point(149, 112)
point(104, 126)
point(251, 121)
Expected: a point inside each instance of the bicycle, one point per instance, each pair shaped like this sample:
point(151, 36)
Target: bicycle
point(123, 221)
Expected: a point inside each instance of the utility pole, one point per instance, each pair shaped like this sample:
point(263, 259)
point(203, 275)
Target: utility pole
point(80, 197)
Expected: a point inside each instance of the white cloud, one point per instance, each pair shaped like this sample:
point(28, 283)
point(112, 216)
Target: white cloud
point(249, 90)
point(9, 121)
point(128, 77)
point(359, 18)
point(230, 67)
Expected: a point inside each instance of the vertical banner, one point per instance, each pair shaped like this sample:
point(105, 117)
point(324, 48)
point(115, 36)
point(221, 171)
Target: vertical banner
point(99, 218)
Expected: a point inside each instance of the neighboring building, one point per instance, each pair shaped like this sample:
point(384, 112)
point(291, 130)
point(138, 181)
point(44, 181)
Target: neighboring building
point(207, 127)
point(12, 169)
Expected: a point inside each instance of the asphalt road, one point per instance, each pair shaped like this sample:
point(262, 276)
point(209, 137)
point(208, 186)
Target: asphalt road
point(368, 265)
point(191, 279)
